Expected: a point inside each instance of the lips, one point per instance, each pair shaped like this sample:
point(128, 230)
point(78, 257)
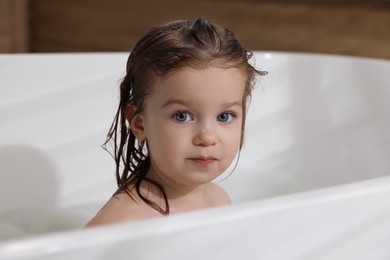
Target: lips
point(203, 161)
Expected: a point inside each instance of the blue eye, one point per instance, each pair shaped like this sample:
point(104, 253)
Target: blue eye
point(225, 117)
point(182, 117)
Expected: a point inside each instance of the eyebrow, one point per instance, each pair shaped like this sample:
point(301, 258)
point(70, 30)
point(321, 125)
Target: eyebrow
point(175, 101)
point(186, 103)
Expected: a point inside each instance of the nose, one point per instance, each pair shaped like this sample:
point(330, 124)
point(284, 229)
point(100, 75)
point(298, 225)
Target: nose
point(205, 137)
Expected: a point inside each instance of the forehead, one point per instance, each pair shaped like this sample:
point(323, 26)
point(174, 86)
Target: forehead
point(208, 84)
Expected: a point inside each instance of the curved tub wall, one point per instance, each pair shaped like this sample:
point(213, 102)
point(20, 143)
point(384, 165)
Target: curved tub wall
point(58, 108)
point(316, 121)
point(316, 133)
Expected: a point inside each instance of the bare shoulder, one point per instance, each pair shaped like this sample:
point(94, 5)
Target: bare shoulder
point(217, 195)
point(120, 208)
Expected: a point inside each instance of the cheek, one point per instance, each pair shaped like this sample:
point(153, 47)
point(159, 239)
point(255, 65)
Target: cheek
point(233, 140)
point(165, 142)
point(239, 131)
point(235, 146)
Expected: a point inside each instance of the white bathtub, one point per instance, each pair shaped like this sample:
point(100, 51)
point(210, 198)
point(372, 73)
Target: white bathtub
point(313, 181)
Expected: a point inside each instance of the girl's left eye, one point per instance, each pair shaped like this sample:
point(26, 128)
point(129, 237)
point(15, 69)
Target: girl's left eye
point(225, 117)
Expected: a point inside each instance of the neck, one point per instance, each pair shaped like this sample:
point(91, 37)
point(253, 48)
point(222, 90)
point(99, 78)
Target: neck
point(173, 189)
point(180, 197)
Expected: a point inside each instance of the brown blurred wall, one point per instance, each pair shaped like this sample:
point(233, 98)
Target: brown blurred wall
point(349, 27)
point(14, 28)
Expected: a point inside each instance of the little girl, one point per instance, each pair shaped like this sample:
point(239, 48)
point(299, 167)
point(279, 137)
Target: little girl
point(180, 121)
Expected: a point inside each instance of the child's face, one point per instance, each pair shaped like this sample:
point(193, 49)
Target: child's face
point(192, 124)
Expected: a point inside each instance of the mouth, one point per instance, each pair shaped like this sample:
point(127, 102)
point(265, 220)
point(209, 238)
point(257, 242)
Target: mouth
point(203, 161)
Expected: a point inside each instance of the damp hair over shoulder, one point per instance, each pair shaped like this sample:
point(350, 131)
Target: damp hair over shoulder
point(196, 43)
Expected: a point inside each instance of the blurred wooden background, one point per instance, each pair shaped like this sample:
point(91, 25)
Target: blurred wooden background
point(349, 27)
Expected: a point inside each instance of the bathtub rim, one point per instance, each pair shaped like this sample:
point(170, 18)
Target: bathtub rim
point(64, 241)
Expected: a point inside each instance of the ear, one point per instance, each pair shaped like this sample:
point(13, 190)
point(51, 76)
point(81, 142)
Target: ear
point(136, 123)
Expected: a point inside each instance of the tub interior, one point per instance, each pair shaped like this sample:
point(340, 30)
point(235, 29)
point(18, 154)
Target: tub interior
point(315, 122)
